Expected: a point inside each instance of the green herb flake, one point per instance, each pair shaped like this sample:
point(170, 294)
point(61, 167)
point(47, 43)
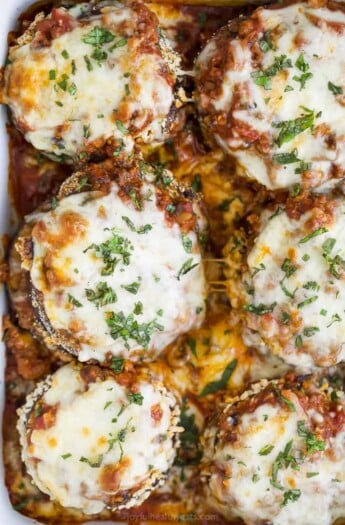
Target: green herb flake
point(102, 295)
point(120, 43)
point(108, 250)
point(309, 331)
point(86, 131)
point(107, 404)
point(65, 54)
point(299, 341)
point(66, 456)
point(267, 449)
point(98, 36)
point(131, 288)
point(336, 90)
point(286, 158)
point(117, 364)
point(187, 243)
point(290, 495)
point(186, 267)
point(284, 399)
point(289, 129)
point(312, 474)
point(121, 127)
point(128, 328)
point(265, 43)
point(92, 463)
point(221, 383)
point(52, 74)
point(310, 300)
point(260, 309)
point(255, 478)
point(137, 398)
point(315, 233)
point(285, 318)
point(313, 444)
point(88, 63)
point(74, 301)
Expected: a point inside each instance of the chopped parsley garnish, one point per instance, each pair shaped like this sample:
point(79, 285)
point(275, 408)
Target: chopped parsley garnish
point(72, 89)
point(138, 308)
point(315, 233)
point(255, 478)
point(289, 129)
point(120, 126)
point(284, 459)
point(258, 269)
point(267, 449)
point(186, 267)
point(288, 268)
point(74, 301)
point(312, 474)
point(313, 444)
point(299, 341)
point(286, 158)
point(311, 285)
point(120, 43)
point(103, 295)
point(303, 66)
point(260, 309)
point(107, 405)
point(284, 399)
point(290, 495)
point(73, 67)
point(66, 456)
point(336, 263)
point(189, 452)
point(335, 319)
point(285, 318)
point(65, 54)
point(309, 331)
point(86, 131)
point(98, 36)
point(263, 78)
point(265, 43)
point(117, 364)
point(52, 74)
point(143, 229)
point(107, 250)
point(92, 463)
point(137, 398)
point(120, 148)
point(83, 182)
point(99, 55)
point(128, 328)
point(336, 90)
point(132, 288)
point(196, 184)
point(120, 437)
point(310, 300)
point(221, 383)
point(88, 63)
point(187, 243)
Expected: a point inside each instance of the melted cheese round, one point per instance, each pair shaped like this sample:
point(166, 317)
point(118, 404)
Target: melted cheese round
point(296, 282)
point(274, 97)
point(106, 75)
point(86, 455)
point(264, 473)
point(115, 280)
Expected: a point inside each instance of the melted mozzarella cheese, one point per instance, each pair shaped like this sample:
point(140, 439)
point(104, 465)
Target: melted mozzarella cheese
point(68, 460)
point(239, 473)
point(314, 49)
point(152, 293)
point(298, 279)
point(65, 98)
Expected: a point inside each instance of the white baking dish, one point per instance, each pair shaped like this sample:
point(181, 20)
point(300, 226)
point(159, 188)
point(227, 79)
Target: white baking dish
point(9, 14)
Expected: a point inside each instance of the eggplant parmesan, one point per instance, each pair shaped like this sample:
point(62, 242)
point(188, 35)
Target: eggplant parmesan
point(289, 282)
point(79, 433)
point(84, 75)
point(112, 265)
point(276, 454)
point(270, 93)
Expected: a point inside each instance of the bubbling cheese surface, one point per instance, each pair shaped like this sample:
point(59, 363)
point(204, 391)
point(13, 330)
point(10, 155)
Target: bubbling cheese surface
point(117, 280)
point(106, 75)
point(89, 466)
point(296, 278)
point(267, 465)
point(273, 97)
